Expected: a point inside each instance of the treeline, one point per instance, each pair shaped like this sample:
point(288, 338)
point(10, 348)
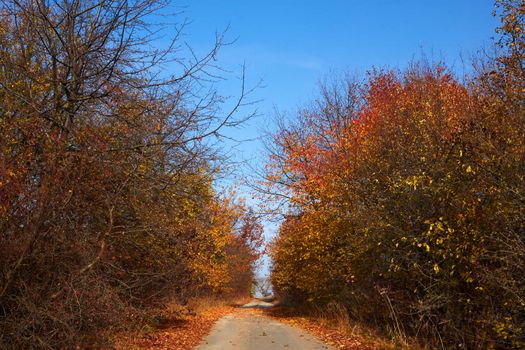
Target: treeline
point(107, 171)
point(406, 199)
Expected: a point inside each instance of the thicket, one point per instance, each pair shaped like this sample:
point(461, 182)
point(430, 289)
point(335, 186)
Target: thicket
point(406, 198)
point(107, 172)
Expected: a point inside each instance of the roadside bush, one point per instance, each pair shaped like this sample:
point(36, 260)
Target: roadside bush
point(407, 199)
point(107, 171)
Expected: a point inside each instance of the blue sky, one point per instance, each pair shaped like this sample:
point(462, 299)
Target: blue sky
point(291, 45)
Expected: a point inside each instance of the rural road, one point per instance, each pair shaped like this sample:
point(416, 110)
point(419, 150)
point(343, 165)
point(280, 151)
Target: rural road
point(245, 331)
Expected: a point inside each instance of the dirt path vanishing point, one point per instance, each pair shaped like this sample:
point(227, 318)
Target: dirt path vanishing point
point(246, 331)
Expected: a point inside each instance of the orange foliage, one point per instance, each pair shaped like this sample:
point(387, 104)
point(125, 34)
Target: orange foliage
point(405, 211)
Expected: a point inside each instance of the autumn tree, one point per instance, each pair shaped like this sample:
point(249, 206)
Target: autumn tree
point(406, 201)
point(107, 169)
point(244, 251)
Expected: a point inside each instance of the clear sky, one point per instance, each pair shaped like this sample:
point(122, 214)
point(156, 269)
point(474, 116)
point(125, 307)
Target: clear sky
point(291, 45)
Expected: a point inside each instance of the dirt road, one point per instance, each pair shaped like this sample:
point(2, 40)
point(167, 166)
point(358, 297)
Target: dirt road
point(250, 331)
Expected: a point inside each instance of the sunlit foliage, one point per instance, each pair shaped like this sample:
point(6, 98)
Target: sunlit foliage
point(107, 199)
point(407, 199)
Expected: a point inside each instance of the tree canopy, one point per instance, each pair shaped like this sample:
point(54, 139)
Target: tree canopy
point(407, 198)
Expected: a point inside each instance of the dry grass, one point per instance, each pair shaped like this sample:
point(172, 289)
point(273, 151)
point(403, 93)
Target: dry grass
point(177, 326)
point(333, 325)
point(201, 305)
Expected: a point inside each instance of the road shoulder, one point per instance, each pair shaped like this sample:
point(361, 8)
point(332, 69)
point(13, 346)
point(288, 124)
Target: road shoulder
point(175, 331)
point(348, 338)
